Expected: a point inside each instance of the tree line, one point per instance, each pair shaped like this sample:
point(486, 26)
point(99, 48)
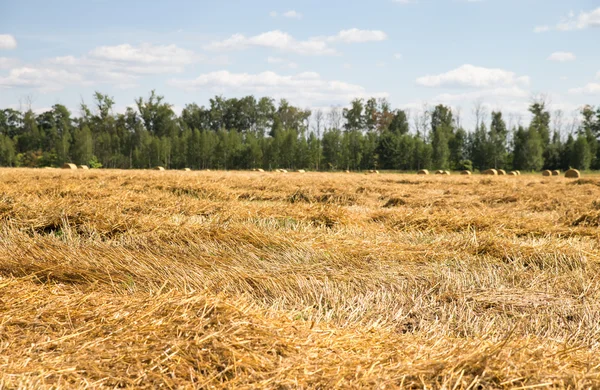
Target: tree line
point(248, 133)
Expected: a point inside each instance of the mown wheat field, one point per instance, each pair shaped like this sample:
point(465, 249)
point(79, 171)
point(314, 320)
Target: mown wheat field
point(318, 280)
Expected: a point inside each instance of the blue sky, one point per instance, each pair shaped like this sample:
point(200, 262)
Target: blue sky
point(501, 53)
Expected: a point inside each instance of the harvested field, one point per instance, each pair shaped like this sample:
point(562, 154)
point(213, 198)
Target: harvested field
point(204, 279)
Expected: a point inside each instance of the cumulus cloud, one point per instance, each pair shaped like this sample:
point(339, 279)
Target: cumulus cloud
point(282, 62)
point(119, 65)
point(142, 59)
point(474, 77)
point(583, 20)
point(170, 56)
point(485, 94)
point(7, 63)
point(44, 79)
point(355, 35)
point(589, 89)
point(273, 40)
point(7, 42)
point(306, 88)
point(292, 14)
point(283, 41)
point(561, 56)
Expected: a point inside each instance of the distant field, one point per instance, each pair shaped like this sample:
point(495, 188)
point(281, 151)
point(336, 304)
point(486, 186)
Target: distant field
point(268, 280)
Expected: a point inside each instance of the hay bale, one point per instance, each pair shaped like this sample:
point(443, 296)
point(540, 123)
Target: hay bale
point(284, 171)
point(446, 173)
point(547, 173)
point(260, 170)
point(556, 173)
point(301, 171)
point(501, 172)
point(423, 172)
point(347, 171)
point(572, 174)
point(466, 173)
point(491, 172)
point(159, 168)
point(518, 173)
point(69, 166)
point(187, 169)
point(512, 173)
point(85, 167)
point(439, 172)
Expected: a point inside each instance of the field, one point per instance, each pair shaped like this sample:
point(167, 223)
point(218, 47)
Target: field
point(266, 280)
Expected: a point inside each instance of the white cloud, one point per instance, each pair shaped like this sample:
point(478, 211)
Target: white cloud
point(292, 14)
point(120, 65)
point(282, 41)
point(44, 79)
point(575, 22)
point(282, 62)
point(308, 88)
point(398, 56)
point(598, 75)
point(171, 57)
point(7, 42)
point(123, 65)
point(589, 89)
point(562, 56)
point(7, 63)
point(485, 94)
point(273, 40)
point(355, 35)
point(541, 29)
point(473, 76)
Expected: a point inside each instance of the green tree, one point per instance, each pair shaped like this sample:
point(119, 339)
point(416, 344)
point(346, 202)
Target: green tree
point(497, 141)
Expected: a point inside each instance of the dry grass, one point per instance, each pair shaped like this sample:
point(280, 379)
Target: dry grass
point(251, 280)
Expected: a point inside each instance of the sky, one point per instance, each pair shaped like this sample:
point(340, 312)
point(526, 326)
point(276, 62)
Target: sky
point(500, 54)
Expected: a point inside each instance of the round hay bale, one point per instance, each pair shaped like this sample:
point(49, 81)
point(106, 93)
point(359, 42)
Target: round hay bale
point(491, 172)
point(423, 172)
point(347, 171)
point(260, 170)
point(546, 173)
point(466, 173)
point(284, 171)
point(69, 166)
point(513, 173)
point(501, 172)
point(301, 171)
point(518, 173)
point(159, 168)
point(556, 173)
point(439, 172)
point(85, 167)
point(187, 169)
point(572, 174)
point(446, 173)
